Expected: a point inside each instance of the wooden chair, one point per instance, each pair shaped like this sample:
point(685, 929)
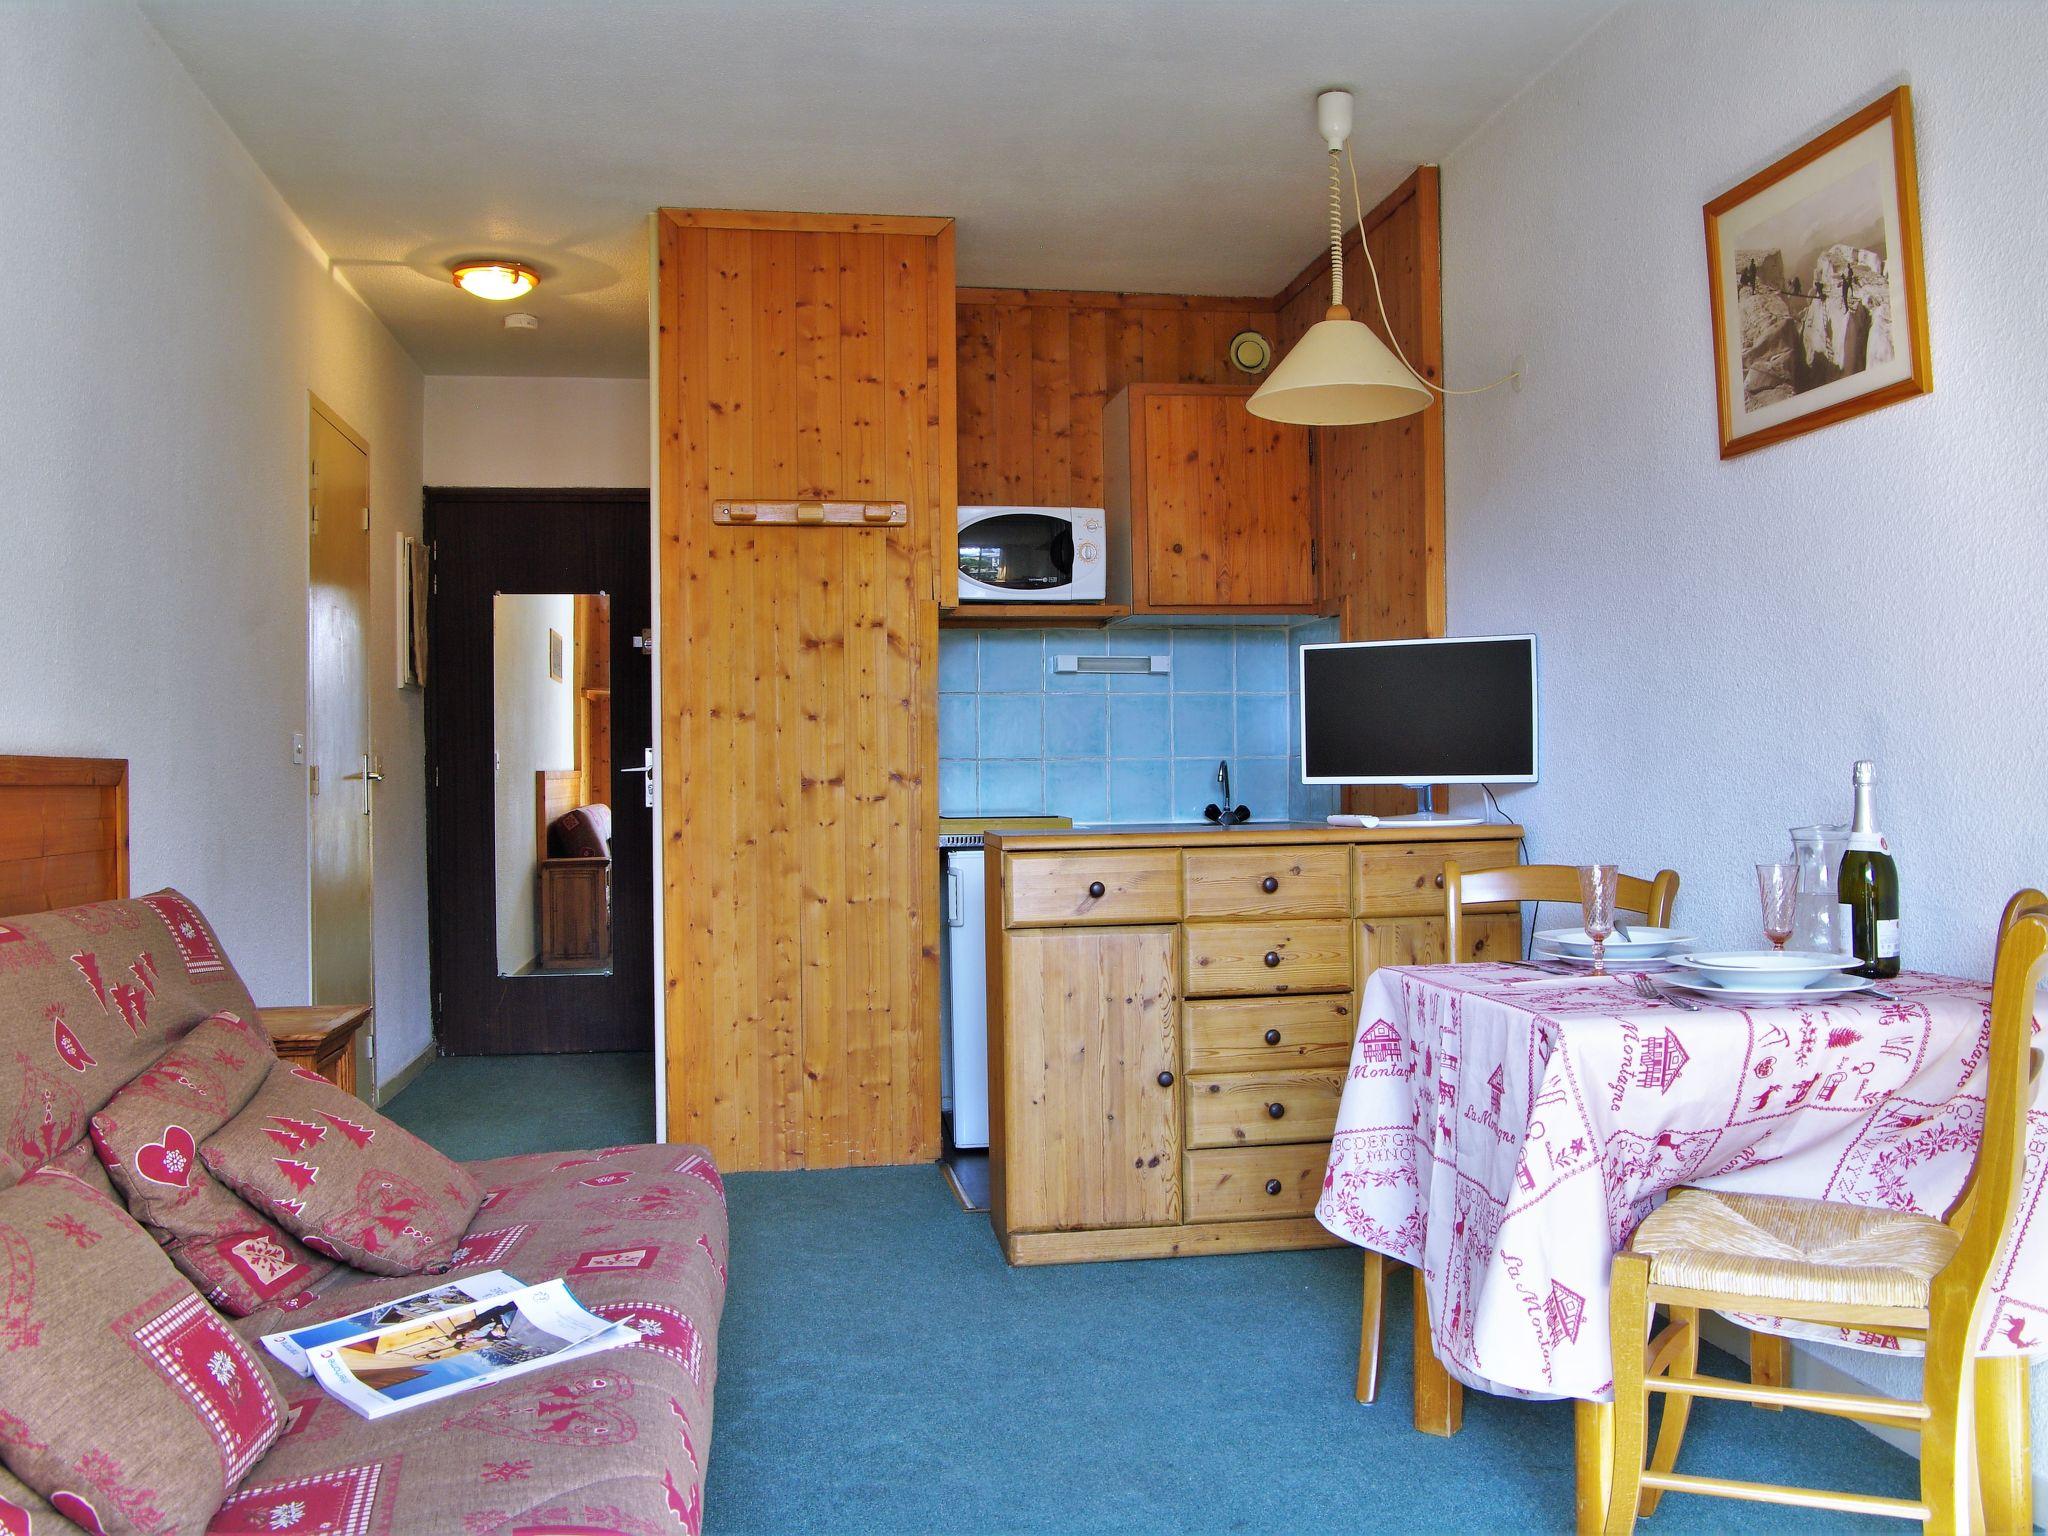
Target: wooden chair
point(1882, 1271)
point(1439, 1407)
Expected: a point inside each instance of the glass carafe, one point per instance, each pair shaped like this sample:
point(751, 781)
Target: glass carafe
point(1817, 915)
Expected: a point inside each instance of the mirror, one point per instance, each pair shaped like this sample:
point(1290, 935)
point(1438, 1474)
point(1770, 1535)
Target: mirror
point(551, 708)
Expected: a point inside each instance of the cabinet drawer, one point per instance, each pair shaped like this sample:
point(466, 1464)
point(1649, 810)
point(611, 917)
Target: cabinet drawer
point(1261, 1034)
point(1267, 882)
point(1397, 878)
point(1248, 1109)
point(1141, 886)
point(1243, 1183)
point(1236, 959)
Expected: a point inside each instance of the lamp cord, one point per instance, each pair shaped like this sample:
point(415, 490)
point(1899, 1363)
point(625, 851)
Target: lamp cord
point(1336, 266)
point(1336, 234)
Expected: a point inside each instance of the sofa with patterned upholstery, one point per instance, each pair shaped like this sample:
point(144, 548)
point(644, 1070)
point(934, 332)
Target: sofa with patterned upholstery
point(117, 1017)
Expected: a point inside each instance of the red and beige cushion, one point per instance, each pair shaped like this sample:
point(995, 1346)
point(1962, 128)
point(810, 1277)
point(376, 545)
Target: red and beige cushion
point(148, 1137)
point(347, 1181)
point(91, 996)
point(129, 1403)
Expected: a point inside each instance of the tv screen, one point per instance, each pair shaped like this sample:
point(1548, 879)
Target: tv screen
point(1420, 711)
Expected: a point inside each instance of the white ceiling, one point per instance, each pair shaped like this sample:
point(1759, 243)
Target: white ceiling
point(1138, 144)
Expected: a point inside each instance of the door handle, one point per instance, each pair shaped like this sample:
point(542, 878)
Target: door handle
point(369, 776)
point(954, 919)
point(646, 772)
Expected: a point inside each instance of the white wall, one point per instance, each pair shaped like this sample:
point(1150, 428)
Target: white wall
point(165, 316)
point(534, 720)
point(1720, 640)
point(537, 432)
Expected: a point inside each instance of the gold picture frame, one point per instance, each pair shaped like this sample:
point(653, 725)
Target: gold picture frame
point(1815, 281)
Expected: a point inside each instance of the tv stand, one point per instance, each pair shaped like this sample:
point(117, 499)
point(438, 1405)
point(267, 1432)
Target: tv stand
point(1426, 815)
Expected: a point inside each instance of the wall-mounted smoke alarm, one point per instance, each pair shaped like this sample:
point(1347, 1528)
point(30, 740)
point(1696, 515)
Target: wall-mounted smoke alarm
point(521, 321)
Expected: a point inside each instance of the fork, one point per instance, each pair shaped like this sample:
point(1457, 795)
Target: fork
point(1651, 992)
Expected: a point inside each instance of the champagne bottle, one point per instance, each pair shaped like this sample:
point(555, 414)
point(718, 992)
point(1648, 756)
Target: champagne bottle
point(1869, 887)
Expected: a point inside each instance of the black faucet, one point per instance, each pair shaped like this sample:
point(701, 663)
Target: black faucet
point(1225, 815)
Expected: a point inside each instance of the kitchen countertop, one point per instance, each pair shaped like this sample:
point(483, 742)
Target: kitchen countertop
point(1165, 834)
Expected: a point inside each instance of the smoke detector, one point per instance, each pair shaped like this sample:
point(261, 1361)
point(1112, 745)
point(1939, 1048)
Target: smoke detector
point(519, 320)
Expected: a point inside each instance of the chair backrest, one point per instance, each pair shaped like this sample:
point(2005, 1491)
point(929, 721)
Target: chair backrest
point(2022, 904)
point(1651, 899)
point(1985, 1211)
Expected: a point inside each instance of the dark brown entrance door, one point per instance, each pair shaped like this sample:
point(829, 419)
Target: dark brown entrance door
point(538, 724)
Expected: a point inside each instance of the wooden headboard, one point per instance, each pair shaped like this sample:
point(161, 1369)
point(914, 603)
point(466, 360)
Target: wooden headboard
point(63, 832)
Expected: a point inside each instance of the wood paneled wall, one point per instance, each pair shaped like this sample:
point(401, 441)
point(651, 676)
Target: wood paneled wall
point(803, 357)
point(1036, 366)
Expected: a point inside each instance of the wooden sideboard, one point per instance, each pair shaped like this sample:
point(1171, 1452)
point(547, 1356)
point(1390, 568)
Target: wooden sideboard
point(1170, 1015)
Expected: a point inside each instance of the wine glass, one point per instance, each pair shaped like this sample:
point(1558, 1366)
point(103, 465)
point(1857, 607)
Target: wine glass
point(1598, 885)
point(1778, 887)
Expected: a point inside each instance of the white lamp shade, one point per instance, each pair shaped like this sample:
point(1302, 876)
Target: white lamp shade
point(1338, 375)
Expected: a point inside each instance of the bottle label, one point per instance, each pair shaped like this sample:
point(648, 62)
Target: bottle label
point(1887, 934)
point(1868, 842)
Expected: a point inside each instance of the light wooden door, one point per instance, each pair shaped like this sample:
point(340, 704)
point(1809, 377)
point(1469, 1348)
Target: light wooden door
point(807, 358)
point(1091, 1050)
point(1227, 520)
point(341, 766)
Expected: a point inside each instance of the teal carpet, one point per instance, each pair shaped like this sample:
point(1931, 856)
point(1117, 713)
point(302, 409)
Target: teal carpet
point(881, 1370)
point(474, 1107)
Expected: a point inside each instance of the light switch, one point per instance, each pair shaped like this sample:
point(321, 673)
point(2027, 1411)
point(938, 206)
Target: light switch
point(298, 749)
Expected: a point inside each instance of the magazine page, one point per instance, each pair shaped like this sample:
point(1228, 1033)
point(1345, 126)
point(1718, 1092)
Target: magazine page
point(421, 1360)
point(291, 1345)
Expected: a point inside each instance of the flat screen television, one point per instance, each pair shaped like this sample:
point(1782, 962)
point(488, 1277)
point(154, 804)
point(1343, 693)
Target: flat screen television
point(1420, 712)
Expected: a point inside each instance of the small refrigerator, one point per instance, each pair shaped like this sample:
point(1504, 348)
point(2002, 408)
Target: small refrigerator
point(963, 1005)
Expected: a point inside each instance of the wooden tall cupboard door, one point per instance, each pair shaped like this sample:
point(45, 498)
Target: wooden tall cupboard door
point(804, 359)
point(1092, 1095)
point(1217, 501)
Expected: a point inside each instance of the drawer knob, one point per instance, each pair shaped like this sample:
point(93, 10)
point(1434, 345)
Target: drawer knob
point(1439, 882)
point(1272, 1037)
point(1096, 889)
point(1277, 1110)
point(1166, 1079)
point(1273, 1186)
point(1269, 885)
point(1272, 958)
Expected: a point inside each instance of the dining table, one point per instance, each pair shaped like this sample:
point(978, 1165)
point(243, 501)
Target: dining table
point(1504, 1127)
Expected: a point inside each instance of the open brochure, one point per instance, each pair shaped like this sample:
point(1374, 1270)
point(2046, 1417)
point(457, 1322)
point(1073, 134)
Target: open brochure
point(422, 1359)
point(291, 1345)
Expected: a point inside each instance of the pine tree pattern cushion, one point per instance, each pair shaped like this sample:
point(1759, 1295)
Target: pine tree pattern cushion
point(126, 1402)
point(91, 996)
point(148, 1137)
point(345, 1180)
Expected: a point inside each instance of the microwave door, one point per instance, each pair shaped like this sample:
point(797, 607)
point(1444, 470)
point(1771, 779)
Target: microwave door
point(1018, 552)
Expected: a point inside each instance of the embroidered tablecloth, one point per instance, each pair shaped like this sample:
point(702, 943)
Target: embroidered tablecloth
point(1504, 1130)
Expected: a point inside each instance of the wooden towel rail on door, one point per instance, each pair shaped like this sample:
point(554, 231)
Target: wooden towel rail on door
point(63, 832)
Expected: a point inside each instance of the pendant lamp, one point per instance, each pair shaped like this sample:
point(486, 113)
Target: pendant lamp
point(1339, 374)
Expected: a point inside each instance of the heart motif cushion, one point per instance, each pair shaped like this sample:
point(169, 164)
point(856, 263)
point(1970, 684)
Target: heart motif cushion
point(148, 1137)
point(348, 1182)
point(131, 1405)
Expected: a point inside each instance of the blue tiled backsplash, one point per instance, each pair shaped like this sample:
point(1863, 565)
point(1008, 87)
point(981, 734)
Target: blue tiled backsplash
point(1017, 738)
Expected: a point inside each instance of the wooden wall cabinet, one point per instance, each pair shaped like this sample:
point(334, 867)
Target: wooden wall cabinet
point(804, 358)
point(1171, 1016)
point(1209, 506)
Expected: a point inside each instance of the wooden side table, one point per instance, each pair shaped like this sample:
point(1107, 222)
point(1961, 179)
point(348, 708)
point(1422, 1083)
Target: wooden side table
point(321, 1037)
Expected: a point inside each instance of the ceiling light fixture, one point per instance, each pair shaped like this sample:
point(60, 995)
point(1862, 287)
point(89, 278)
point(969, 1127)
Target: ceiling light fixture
point(495, 280)
point(1340, 374)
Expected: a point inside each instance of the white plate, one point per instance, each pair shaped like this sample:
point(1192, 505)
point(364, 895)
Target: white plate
point(1818, 991)
point(1763, 970)
point(1614, 962)
point(1644, 943)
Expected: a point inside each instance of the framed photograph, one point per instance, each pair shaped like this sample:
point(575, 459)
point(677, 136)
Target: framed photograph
point(1813, 270)
point(415, 580)
point(555, 655)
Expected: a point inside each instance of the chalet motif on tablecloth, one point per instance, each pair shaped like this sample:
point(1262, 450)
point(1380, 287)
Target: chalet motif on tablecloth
point(1514, 1224)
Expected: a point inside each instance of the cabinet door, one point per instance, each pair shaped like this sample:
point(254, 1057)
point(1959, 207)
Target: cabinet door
point(1091, 1132)
point(1226, 519)
point(1420, 940)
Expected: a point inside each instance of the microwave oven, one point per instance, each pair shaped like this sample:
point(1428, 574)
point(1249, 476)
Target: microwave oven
point(1033, 554)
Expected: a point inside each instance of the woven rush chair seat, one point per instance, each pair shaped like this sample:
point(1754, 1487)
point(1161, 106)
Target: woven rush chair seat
point(1782, 1248)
